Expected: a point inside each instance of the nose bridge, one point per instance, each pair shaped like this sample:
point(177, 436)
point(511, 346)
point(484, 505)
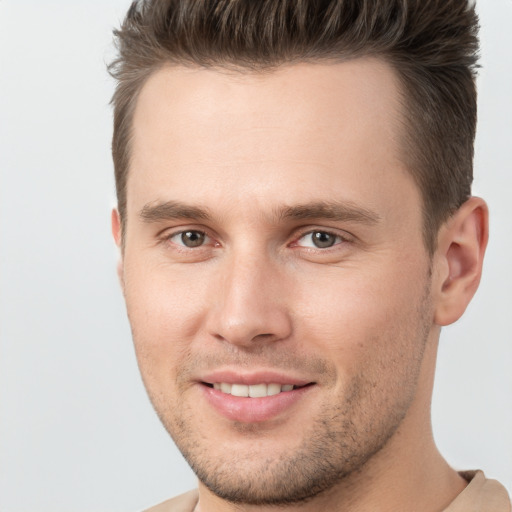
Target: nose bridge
point(250, 305)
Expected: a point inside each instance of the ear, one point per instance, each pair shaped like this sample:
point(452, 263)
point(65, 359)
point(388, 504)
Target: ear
point(117, 234)
point(459, 257)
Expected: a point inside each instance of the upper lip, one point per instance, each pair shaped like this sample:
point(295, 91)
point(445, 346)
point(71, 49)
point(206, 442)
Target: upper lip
point(252, 378)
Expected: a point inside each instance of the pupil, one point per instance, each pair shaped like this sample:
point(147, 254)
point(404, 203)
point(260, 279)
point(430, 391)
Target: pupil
point(322, 239)
point(192, 238)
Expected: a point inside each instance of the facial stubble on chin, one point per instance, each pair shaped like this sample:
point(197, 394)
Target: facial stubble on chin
point(338, 445)
point(328, 454)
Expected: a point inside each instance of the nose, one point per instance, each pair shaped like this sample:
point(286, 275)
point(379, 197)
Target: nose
point(250, 306)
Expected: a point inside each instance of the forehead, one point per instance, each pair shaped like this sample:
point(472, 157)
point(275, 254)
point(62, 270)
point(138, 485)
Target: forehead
point(214, 133)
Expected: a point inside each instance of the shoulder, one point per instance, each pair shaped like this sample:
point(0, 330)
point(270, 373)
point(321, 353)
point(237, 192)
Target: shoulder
point(182, 503)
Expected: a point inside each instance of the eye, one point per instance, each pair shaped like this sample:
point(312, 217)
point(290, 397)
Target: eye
point(319, 240)
point(191, 238)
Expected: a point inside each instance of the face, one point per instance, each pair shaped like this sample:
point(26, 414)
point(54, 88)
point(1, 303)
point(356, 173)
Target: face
point(275, 274)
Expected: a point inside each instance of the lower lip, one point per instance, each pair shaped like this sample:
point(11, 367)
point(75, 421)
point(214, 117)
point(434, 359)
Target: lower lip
point(253, 410)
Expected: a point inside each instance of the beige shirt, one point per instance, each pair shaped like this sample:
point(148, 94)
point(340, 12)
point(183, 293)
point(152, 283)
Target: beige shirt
point(481, 495)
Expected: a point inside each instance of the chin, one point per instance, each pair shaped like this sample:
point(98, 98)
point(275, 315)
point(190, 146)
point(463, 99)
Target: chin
point(264, 469)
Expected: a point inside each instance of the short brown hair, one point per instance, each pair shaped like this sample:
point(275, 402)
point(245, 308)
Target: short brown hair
point(432, 46)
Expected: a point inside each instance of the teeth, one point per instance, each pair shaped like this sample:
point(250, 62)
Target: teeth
point(273, 389)
point(258, 390)
point(225, 388)
point(253, 391)
point(239, 390)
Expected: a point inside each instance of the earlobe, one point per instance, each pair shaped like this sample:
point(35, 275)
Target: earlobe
point(116, 233)
point(459, 257)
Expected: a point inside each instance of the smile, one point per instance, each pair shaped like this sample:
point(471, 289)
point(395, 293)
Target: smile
point(254, 390)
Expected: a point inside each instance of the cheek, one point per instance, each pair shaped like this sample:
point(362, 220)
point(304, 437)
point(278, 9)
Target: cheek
point(371, 315)
point(165, 309)
point(161, 297)
point(373, 331)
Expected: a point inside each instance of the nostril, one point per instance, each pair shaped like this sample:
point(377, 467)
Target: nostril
point(263, 336)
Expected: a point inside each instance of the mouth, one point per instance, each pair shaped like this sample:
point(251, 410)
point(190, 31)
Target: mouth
point(260, 390)
point(255, 401)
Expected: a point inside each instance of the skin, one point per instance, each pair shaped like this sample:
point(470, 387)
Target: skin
point(359, 320)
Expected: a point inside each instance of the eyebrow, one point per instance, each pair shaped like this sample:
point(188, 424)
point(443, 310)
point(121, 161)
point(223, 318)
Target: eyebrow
point(170, 210)
point(337, 211)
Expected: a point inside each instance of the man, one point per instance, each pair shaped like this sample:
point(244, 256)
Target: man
point(296, 225)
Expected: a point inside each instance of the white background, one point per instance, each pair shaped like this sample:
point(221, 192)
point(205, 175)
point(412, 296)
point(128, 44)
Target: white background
point(77, 432)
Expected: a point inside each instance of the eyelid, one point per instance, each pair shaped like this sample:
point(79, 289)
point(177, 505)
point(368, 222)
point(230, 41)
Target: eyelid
point(343, 236)
point(167, 234)
point(179, 233)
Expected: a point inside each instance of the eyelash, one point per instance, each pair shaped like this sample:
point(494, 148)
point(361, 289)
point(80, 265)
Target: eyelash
point(339, 240)
point(167, 237)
